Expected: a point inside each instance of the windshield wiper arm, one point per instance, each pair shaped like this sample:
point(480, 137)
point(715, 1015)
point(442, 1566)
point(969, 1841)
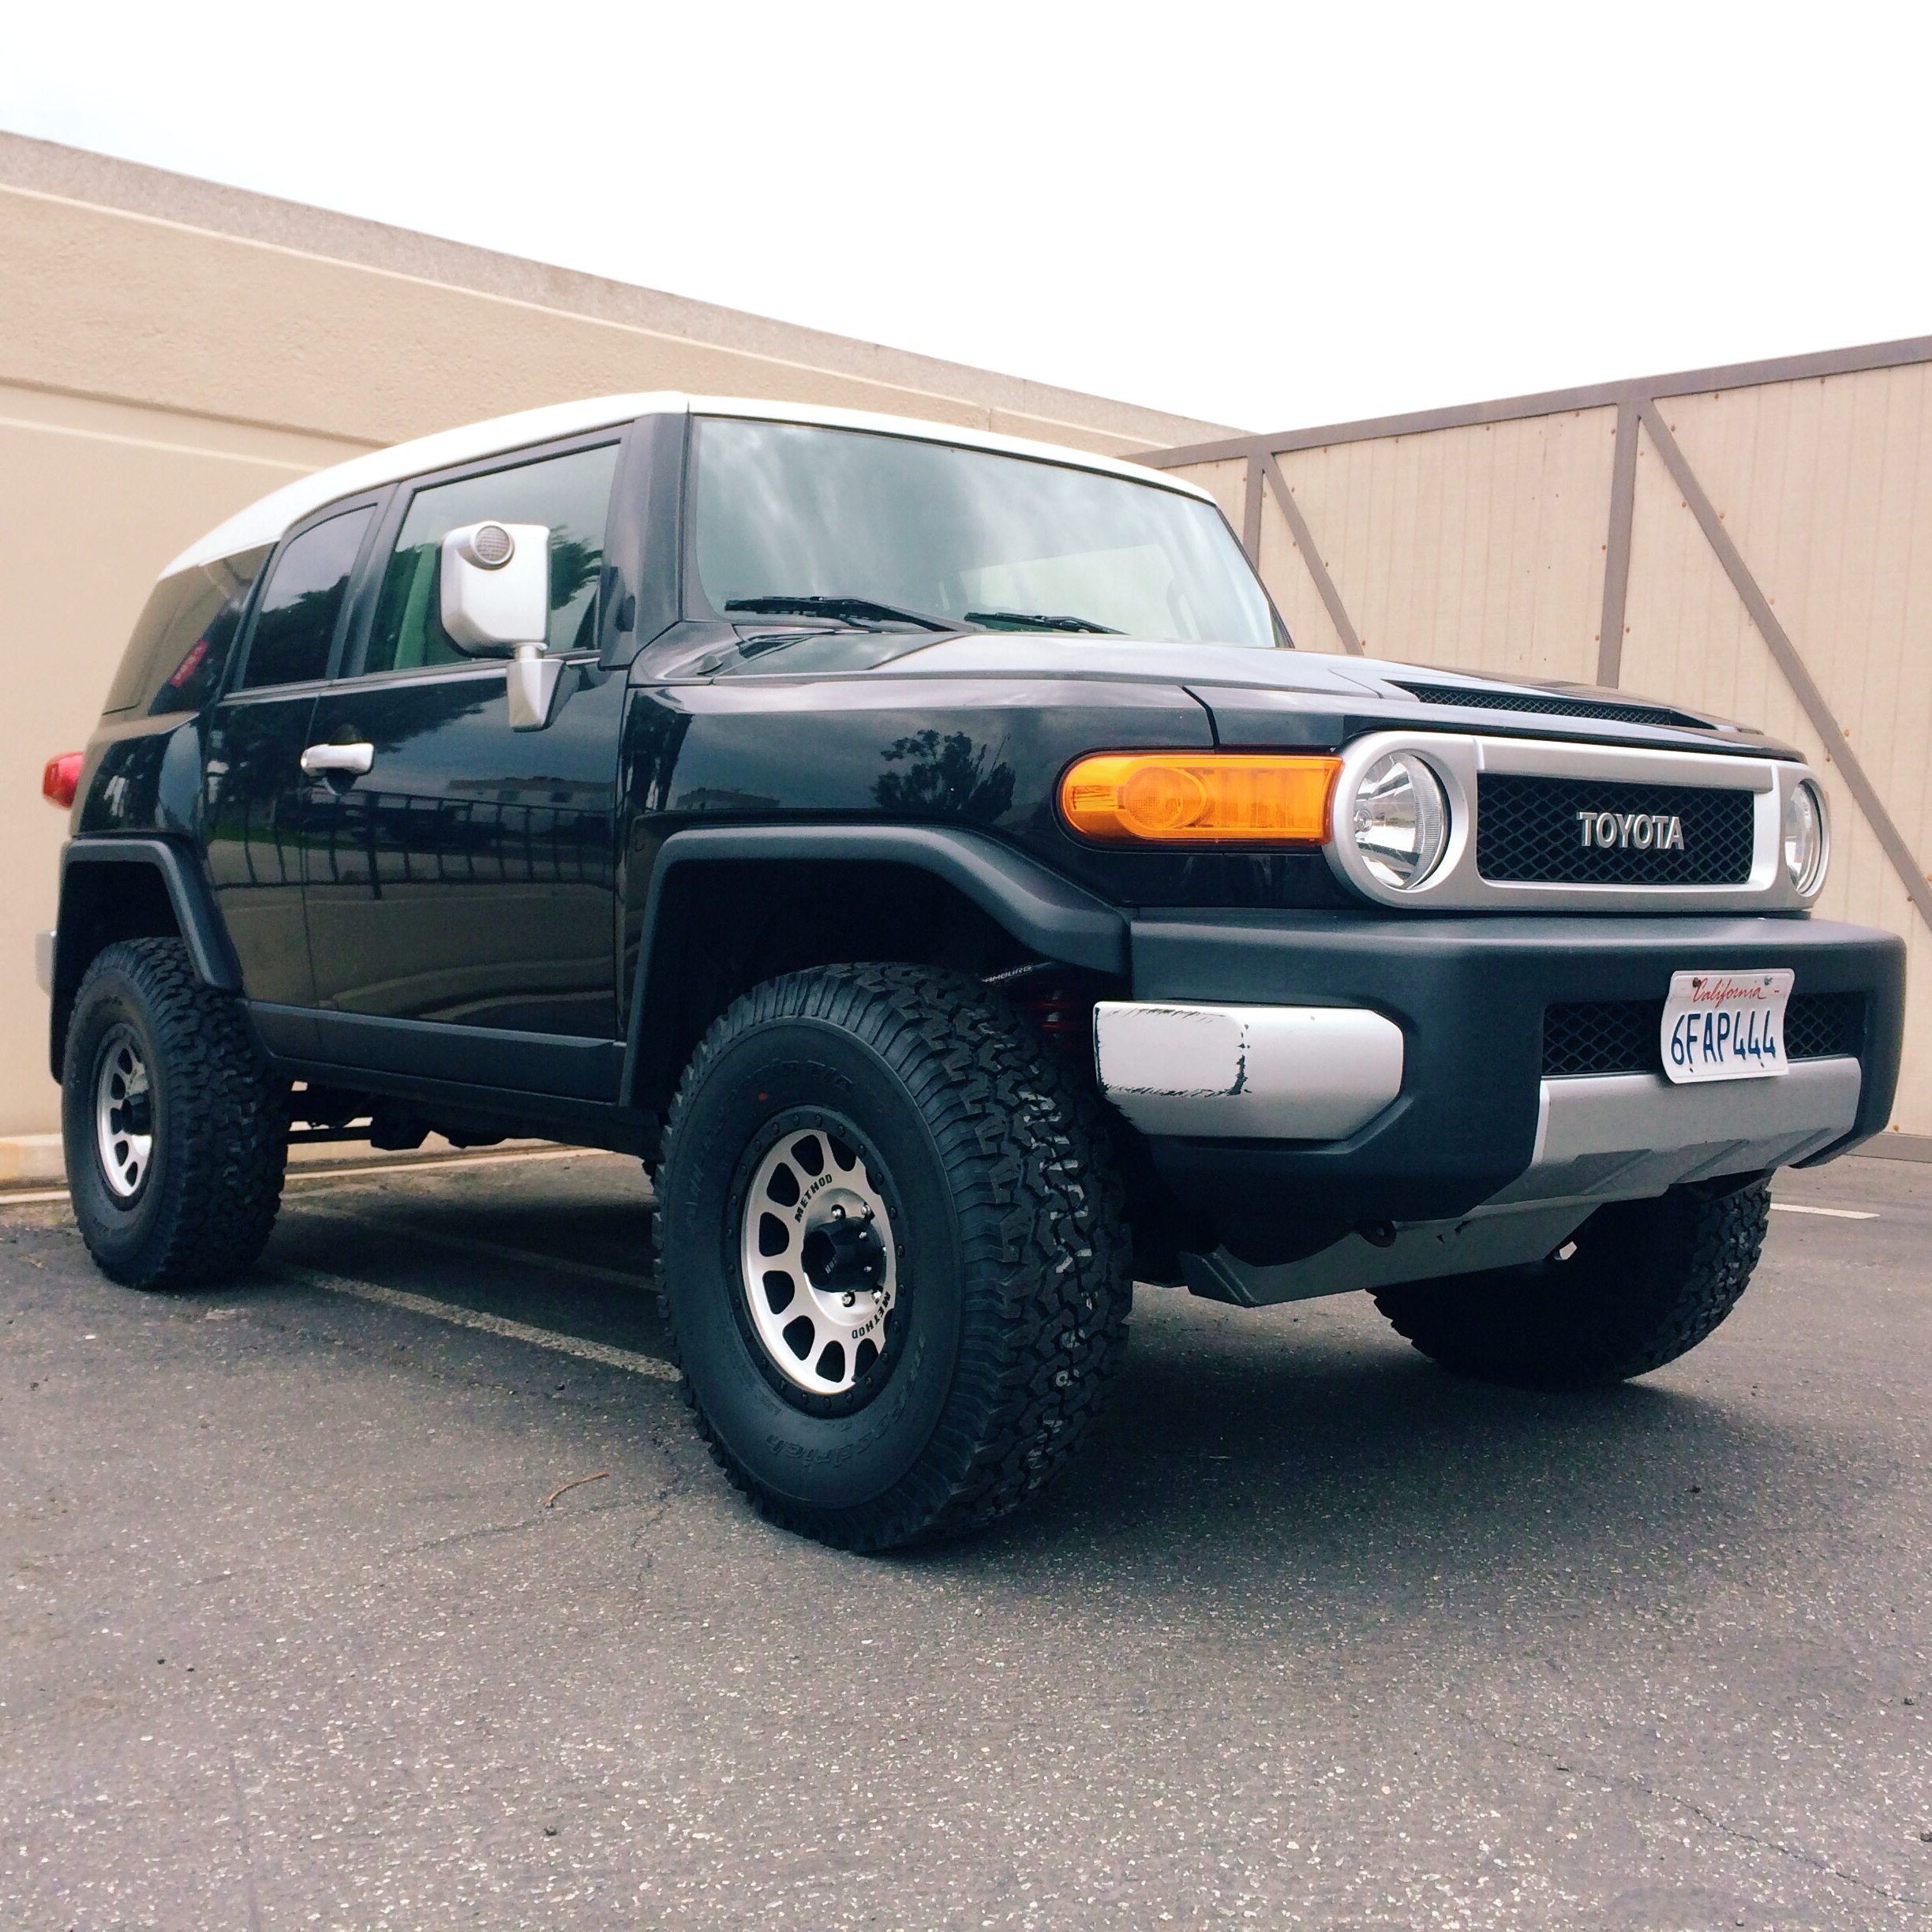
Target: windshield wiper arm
point(840, 609)
point(868, 612)
point(1035, 620)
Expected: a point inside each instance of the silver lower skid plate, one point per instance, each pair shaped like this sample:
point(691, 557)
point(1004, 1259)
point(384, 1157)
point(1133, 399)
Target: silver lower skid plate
point(1600, 1138)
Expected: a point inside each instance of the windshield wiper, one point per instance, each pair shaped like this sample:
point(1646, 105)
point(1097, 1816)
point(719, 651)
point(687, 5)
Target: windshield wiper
point(868, 613)
point(1033, 620)
point(862, 611)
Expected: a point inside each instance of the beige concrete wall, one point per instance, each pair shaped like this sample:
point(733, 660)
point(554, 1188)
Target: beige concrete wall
point(170, 349)
point(127, 283)
point(1483, 547)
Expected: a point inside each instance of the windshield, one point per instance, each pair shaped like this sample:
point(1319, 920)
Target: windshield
point(787, 513)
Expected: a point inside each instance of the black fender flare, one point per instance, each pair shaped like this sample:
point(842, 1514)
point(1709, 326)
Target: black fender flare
point(196, 915)
point(1047, 914)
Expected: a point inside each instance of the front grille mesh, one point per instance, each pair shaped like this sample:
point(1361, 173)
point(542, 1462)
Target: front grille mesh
point(1820, 1026)
point(1624, 1036)
point(1603, 1036)
point(1527, 829)
point(1544, 706)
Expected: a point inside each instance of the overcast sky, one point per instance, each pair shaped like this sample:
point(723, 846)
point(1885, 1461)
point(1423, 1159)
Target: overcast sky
point(1266, 216)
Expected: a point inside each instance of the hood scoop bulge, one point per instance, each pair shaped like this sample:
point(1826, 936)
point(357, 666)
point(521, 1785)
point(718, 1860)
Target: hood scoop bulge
point(1490, 697)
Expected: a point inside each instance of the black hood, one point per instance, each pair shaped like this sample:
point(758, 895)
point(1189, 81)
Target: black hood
point(1288, 697)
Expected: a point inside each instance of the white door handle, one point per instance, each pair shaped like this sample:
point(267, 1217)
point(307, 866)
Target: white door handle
point(355, 759)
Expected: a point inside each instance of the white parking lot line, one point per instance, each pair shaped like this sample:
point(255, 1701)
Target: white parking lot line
point(376, 1169)
point(652, 1366)
point(1836, 1214)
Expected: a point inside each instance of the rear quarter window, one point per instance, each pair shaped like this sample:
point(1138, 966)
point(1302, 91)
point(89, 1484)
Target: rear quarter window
point(175, 659)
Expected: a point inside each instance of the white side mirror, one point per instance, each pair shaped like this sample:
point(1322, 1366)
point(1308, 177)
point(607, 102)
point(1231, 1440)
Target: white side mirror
point(496, 603)
point(496, 586)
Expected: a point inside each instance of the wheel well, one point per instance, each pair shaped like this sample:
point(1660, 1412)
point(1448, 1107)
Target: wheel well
point(724, 926)
point(100, 904)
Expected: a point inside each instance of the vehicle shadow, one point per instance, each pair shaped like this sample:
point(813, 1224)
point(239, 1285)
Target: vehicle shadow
point(1251, 1460)
point(1250, 1457)
point(579, 1261)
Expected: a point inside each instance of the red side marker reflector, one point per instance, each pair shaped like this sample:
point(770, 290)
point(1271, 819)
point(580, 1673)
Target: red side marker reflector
point(190, 664)
point(60, 778)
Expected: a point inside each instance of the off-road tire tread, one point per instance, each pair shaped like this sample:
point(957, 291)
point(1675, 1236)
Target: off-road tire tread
point(1043, 1230)
point(1521, 1331)
point(227, 1115)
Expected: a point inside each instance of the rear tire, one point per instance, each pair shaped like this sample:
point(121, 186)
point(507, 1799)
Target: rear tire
point(1648, 1280)
point(980, 1240)
point(175, 1132)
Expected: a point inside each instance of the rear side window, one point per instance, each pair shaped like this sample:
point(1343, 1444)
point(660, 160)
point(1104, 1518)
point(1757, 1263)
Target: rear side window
point(295, 623)
point(571, 494)
point(175, 659)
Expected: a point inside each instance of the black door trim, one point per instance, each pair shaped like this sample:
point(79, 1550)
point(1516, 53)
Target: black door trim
point(552, 1064)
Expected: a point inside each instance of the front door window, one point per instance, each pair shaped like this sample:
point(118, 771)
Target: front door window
point(571, 494)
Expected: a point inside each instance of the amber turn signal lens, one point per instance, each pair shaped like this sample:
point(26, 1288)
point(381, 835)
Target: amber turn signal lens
point(1200, 798)
point(59, 777)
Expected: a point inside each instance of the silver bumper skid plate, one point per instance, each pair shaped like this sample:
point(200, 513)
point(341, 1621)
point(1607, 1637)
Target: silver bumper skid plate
point(1256, 1073)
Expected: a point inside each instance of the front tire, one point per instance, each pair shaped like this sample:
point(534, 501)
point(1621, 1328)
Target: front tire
point(1642, 1283)
point(890, 1253)
point(175, 1132)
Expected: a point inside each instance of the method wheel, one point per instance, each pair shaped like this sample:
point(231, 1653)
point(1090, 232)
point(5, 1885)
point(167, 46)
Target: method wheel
point(890, 1253)
point(174, 1131)
point(1637, 1285)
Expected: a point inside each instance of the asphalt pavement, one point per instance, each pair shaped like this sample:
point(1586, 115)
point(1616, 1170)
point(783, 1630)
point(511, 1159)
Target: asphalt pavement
point(301, 1624)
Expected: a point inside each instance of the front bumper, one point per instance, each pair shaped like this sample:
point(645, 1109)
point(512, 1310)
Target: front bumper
point(1473, 1121)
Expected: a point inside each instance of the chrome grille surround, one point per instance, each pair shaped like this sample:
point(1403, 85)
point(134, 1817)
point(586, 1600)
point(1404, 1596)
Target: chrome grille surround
point(1461, 760)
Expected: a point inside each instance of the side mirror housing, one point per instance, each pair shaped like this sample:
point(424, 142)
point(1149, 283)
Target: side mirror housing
point(495, 593)
point(496, 587)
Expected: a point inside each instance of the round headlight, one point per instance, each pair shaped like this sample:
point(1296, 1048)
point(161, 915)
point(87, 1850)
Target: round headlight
point(1400, 820)
point(1804, 837)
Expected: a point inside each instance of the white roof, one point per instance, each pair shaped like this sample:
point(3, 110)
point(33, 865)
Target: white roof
point(263, 521)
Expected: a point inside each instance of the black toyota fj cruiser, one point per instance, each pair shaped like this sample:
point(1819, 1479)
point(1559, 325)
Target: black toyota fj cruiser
point(924, 850)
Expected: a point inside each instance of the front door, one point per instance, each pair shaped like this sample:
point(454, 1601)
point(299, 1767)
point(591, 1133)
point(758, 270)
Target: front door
point(466, 879)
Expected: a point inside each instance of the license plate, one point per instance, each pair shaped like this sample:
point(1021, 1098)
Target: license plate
point(1725, 1026)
